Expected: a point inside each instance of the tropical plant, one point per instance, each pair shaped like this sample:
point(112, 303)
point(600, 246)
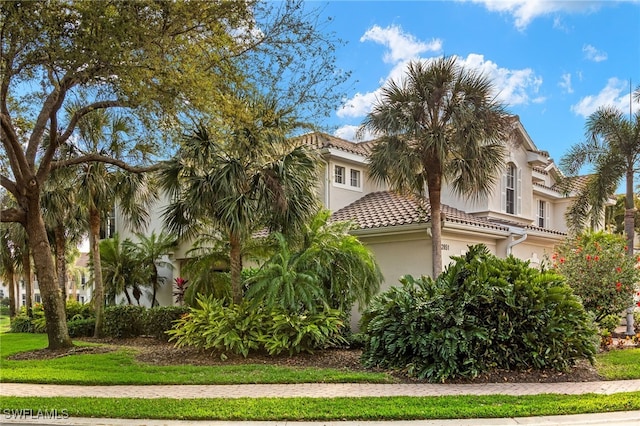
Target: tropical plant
point(599, 271)
point(149, 251)
point(612, 147)
point(244, 177)
point(121, 270)
point(482, 312)
point(321, 265)
point(100, 186)
point(184, 64)
point(284, 283)
point(440, 122)
point(614, 215)
point(8, 264)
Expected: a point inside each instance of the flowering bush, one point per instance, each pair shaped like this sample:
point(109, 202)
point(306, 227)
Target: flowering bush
point(598, 269)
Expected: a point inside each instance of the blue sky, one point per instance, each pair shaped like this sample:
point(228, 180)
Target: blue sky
point(553, 62)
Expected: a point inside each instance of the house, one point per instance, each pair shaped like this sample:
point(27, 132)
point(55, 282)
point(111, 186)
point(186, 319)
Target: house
point(523, 215)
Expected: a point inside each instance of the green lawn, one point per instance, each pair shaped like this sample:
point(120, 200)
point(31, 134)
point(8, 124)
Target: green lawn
point(121, 368)
point(4, 323)
point(308, 409)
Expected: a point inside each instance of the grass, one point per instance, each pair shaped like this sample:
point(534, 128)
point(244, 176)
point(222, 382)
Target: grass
point(121, 368)
point(4, 323)
point(325, 409)
point(619, 364)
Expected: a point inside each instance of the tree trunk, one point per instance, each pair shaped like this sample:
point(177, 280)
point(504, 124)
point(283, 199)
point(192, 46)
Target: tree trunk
point(11, 282)
point(61, 263)
point(98, 285)
point(236, 268)
point(629, 224)
point(154, 283)
point(57, 332)
point(629, 214)
point(434, 187)
point(28, 281)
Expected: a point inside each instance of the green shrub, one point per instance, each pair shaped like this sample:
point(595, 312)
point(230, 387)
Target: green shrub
point(212, 325)
point(480, 313)
point(160, 319)
point(76, 310)
point(297, 333)
point(240, 329)
point(21, 324)
point(124, 321)
point(609, 323)
point(81, 327)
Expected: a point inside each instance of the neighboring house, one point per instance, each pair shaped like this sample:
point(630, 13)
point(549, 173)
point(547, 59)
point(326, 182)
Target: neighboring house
point(78, 287)
point(523, 216)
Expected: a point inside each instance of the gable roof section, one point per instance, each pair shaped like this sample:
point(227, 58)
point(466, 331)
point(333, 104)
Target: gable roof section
point(572, 183)
point(320, 140)
point(386, 209)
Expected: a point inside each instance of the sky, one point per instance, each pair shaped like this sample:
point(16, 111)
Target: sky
point(552, 62)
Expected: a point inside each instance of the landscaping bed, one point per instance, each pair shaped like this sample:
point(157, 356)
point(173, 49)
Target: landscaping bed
point(156, 352)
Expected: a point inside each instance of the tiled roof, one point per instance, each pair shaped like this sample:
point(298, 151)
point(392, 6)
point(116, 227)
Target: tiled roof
point(545, 230)
point(540, 170)
point(384, 209)
point(320, 140)
point(572, 183)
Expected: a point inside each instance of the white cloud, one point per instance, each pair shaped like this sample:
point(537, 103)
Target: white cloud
point(515, 87)
point(402, 46)
point(593, 54)
point(358, 106)
point(525, 11)
point(349, 132)
point(615, 93)
point(565, 83)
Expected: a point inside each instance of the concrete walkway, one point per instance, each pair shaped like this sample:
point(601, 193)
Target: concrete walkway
point(318, 390)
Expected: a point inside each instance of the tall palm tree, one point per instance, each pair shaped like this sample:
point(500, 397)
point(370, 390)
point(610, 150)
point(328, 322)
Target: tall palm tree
point(612, 147)
point(439, 123)
point(241, 178)
point(100, 186)
point(149, 251)
point(64, 217)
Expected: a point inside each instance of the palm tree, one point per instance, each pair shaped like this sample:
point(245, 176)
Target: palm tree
point(149, 251)
point(244, 177)
point(121, 270)
point(440, 123)
point(612, 147)
point(8, 262)
point(322, 265)
point(100, 186)
point(64, 217)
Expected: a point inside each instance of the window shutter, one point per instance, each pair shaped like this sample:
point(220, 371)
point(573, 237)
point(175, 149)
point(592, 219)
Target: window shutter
point(547, 219)
point(519, 193)
point(503, 192)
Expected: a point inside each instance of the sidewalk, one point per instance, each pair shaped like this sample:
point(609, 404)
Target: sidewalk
point(328, 390)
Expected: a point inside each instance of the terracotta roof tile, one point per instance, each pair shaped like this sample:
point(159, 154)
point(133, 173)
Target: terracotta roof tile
point(572, 183)
point(385, 208)
point(320, 140)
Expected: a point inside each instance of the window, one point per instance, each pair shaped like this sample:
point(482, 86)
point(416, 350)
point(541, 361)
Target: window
point(355, 178)
point(347, 177)
point(339, 175)
point(37, 298)
point(542, 213)
point(510, 189)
